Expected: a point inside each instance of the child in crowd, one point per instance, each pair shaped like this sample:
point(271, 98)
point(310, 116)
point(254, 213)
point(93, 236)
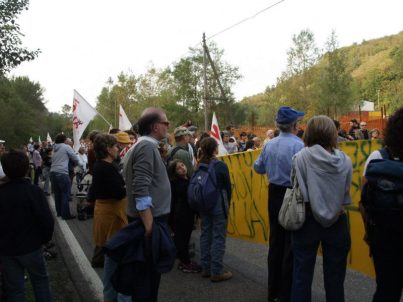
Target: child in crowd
point(182, 216)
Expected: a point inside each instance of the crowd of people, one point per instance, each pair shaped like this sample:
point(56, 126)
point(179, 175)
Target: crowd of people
point(139, 200)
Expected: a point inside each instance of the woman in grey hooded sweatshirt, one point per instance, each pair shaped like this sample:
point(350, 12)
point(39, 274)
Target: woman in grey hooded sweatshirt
point(324, 175)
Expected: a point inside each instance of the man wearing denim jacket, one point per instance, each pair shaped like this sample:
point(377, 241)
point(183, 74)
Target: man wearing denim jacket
point(147, 182)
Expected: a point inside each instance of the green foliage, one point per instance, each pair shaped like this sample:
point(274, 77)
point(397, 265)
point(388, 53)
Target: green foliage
point(12, 53)
point(23, 113)
point(340, 79)
point(177, 89)
point(334, 82)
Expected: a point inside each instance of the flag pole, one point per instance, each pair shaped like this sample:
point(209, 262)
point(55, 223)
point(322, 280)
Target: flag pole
point(95, 109)
point(110, 125)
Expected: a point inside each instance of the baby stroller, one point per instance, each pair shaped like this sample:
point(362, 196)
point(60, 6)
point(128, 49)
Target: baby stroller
point(85, 209)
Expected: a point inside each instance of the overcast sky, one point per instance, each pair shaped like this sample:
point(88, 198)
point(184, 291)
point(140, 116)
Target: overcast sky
point(84, 42)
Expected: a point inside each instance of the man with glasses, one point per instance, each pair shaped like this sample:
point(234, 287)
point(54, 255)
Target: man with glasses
point(363, 132)
point(147, 183)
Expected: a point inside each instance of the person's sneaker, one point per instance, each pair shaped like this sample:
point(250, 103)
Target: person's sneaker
point(192, 267)
point(222, 277)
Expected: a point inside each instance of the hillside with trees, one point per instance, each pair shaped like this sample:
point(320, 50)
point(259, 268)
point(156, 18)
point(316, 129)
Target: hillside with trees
point(336, 81)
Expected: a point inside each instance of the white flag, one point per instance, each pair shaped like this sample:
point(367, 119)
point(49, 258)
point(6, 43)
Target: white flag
point(215, 132)
point(31, 140)
point(39, 140)
point(83, 113)
point(124, 122)
point(48, 138)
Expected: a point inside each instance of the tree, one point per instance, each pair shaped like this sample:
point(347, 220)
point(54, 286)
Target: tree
point(12, 53)
point(334, 81)
point(300, 73)
point(303, 54)
point(188, 83)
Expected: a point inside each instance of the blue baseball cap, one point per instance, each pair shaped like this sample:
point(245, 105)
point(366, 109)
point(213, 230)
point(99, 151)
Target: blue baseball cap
point(287, 115)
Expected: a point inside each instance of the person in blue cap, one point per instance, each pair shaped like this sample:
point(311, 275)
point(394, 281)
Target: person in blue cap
point(275, 160)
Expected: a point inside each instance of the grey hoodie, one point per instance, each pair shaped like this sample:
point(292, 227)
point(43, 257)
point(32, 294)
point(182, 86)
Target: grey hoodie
point(325, 181)
point(62, 153)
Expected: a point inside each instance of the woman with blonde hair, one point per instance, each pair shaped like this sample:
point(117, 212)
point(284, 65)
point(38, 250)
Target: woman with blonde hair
point(324, 176)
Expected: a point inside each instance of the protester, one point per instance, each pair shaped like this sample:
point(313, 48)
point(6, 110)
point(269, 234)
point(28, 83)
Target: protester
point(269, 136)
point(91, 152)
point(275, 160)
point(181, 151)
point(340, 135)
point(230, 147)
point(124, 143)
point(202, 135)
point(375, 133)
point(386, 244)
point(363, 132)
point(242, 142)
point(26, 224)
point(324, 177)
point(47, 163)
point(182, 216)
point(132, 136)
point(108, 189)
point(37, 160)
point(214, 224)
point(148, 188)
point(354, 126)
point(257, 143)
point(59, 175)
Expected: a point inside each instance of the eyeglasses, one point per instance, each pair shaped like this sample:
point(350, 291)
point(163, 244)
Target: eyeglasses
point(363, 124)
point(164, 123)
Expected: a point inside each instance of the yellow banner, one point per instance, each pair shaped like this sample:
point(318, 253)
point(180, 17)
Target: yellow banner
point(248, 218)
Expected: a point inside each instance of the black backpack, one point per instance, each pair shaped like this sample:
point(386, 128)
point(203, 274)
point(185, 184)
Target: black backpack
point(382, 195)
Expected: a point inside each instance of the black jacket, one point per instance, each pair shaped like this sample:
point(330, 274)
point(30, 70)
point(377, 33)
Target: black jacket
point(139, 257)
point(25, 218)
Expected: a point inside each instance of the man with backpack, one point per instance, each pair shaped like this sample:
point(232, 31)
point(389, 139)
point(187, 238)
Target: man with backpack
point(180, 151)
point(382, 209)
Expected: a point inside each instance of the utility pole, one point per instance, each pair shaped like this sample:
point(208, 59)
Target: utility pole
point(205, 82)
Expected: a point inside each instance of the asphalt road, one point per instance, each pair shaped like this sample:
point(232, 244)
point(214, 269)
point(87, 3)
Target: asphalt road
point(247, 261)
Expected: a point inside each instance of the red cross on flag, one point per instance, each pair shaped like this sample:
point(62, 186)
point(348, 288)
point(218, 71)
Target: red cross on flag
point(83, 113)
point(215, 132)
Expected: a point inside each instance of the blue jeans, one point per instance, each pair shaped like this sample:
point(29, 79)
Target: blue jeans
point(61, 188)
point(13, 270)
point(109, 292)
point(212, 238)
point(336, 242)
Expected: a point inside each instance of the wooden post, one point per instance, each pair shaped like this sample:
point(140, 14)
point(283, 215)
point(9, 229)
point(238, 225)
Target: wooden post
point(205, 83)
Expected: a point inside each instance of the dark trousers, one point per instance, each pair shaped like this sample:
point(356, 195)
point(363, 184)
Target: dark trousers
point(61, 188)
point(336, 242)
point(387, 252)
point(37, 173)
point(13, 272)
point(280, 257)
point(183, 227)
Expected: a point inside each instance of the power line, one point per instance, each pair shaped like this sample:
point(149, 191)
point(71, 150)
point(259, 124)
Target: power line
point(244, 20)
point(234, 25)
